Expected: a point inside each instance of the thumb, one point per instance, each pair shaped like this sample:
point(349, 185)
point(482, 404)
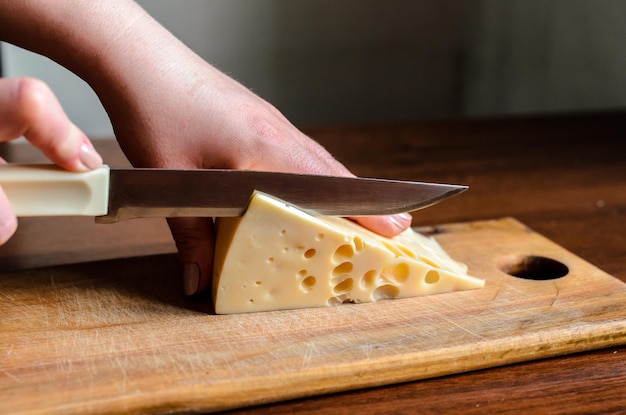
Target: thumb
point(8, 221)
point(195, 240)
point(388, 226)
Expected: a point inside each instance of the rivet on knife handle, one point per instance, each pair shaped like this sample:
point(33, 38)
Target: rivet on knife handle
point(47, 190)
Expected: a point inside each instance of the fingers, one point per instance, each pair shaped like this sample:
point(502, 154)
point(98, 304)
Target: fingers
point(388, 226)
point(195, 240)
point(30, 109)
point(296, 152)
point(8, 221)
point(311, 157)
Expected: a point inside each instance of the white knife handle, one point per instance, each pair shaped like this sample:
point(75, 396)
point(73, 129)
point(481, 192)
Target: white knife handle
point(48, 190)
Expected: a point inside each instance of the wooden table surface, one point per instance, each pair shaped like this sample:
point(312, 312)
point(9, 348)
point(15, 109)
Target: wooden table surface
point(563, 176)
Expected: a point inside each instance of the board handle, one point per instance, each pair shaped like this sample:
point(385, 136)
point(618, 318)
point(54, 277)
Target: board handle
point(48, 190)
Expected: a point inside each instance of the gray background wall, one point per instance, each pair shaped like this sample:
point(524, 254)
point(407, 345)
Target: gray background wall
point(351, 61)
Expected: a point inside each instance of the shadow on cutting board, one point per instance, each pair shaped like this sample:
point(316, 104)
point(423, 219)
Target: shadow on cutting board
point(153, 283)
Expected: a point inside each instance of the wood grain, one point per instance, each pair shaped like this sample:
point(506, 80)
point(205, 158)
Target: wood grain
point(564, 176)
point(89, 338)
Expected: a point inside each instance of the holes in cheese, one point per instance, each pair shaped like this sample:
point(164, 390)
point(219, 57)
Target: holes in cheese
point(368, 281)
point(432, 277)
point(277, 256)
point(308, 283)
point(345, 268)
point(343, 252)
point(385, 291)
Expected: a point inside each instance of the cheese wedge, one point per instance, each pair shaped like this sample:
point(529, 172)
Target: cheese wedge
point(277, 256)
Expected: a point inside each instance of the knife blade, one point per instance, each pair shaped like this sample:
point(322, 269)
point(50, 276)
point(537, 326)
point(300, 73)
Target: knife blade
point(119, 194)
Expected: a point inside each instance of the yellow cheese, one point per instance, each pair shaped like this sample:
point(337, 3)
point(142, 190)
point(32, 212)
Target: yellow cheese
point(277, 256)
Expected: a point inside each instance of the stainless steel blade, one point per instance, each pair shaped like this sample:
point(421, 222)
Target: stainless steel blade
point(174, 193)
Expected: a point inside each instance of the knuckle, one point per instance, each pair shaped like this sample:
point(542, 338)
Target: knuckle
point(30, 97)
point(22, 103)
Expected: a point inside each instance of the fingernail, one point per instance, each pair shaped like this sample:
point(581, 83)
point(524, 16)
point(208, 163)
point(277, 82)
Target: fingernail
point(191, 278)
point(89, 157)
point(401, 220)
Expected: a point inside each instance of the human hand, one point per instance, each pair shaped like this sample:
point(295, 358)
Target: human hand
point(199, 118)
point(29, 108)
point(257, 138)
point(169, 108)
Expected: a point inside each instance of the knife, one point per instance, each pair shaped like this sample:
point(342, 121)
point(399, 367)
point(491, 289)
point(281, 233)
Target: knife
point(118, 194)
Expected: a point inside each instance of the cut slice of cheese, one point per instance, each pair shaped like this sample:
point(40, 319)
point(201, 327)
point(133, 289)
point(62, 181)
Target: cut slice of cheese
point(277, 256)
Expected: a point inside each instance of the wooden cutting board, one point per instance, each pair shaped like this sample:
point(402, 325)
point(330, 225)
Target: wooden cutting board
point(118, 336)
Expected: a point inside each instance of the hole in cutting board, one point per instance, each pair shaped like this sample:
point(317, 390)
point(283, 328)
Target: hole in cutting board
point(533, 267)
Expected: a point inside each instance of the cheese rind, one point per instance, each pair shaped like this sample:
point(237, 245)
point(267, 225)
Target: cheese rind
point(277, 256)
